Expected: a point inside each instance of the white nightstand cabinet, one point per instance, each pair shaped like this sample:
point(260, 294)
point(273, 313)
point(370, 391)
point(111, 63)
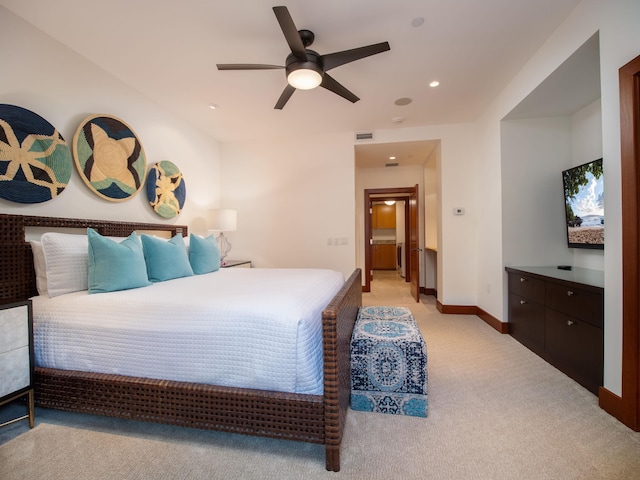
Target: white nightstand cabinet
point(16, 356)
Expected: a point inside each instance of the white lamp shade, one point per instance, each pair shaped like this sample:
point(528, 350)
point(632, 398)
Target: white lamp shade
point(223, 220)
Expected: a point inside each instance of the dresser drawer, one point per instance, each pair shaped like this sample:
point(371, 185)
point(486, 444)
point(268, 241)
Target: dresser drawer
point(575, 302)
point(558, 314)
point(15, 371)
point(526, 322)
point(14, 328)
point(576, 348)
point(527, 287)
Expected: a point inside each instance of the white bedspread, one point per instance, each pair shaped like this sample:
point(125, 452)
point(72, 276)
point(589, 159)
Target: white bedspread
point(238, 327)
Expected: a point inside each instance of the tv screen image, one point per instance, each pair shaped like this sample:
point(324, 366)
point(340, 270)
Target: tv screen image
point(584, 205)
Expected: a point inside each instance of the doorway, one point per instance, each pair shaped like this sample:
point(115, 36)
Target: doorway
point(409, 255)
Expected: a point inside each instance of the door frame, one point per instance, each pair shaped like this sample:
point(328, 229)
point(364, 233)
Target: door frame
point(381, 194)
point(628, 408)
point(414, 244)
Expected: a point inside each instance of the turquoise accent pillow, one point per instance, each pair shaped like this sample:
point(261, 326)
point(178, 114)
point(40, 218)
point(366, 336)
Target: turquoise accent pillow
point(115, 266)
point(204, 255)
point(165, 259)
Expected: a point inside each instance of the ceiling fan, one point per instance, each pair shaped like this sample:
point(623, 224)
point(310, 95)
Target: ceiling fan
point(306, 69)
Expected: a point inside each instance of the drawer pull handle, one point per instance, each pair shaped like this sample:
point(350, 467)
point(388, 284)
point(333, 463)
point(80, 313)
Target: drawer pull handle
point(570, 322)
point(522, 279)
point(522, 302)
point(569, 293)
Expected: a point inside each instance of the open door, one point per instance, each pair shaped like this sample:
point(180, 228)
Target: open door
point(412, 236)
point(414, 245)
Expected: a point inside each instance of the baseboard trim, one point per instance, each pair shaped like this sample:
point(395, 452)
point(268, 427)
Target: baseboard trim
point(502, 327)
point(610, 403)
point(456, 309)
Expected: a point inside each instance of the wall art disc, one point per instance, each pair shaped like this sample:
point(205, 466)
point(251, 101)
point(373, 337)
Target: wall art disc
point(109, 157)
point(166, 189)
point(35, 161)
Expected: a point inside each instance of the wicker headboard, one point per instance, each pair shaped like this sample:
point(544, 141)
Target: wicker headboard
point(17, 277)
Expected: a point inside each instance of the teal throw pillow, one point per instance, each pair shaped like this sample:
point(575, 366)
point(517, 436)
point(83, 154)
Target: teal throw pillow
point(204, 255)
point(115, 266)
point(166, 259)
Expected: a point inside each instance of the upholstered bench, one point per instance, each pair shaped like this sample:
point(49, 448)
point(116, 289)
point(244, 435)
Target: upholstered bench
point(388, 363)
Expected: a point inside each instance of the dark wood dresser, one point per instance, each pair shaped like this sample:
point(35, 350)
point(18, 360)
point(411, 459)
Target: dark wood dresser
point(559, 315)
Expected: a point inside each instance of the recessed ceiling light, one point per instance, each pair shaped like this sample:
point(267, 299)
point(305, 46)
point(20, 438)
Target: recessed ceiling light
point(417, 22)
point(392, 158)
point(213, 106)
point(435, 83)
point(403, 101)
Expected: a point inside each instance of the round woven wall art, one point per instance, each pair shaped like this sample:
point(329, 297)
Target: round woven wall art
point(35, 161)
point(109, 157)
point(166, 189)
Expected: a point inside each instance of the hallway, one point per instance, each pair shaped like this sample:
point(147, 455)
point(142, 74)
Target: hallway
point(389, 288)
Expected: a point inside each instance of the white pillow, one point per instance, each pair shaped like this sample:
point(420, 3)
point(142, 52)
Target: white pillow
point(39, 266)
point(67, 262)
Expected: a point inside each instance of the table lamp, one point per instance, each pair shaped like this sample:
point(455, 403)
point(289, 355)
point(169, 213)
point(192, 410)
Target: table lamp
point(223, 220)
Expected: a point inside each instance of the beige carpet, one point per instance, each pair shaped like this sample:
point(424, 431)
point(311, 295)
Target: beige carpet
point(496, 411)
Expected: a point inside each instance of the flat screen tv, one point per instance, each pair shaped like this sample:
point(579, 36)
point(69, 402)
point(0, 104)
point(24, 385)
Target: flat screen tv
point(584, 205)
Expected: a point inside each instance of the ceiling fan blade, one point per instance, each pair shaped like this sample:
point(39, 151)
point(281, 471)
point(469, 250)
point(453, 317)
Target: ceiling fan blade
point(290, 32)
point(333, 60)
point(284, 98)
point(332, 85)
point(246, 66)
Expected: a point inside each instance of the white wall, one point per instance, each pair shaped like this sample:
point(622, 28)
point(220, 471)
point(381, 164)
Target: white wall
point(293, 197)
point(534, 153)
point(400, 220)
point(42, 75)
point(457, 180)
point(396, 177)
point(586, 145)
point(616, 21)
point(431, 199)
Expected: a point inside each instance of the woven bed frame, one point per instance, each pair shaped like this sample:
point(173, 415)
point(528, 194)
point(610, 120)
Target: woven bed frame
point(307, 418)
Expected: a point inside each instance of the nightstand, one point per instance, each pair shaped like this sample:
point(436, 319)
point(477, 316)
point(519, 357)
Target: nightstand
point(236, 264)
point(16, 356)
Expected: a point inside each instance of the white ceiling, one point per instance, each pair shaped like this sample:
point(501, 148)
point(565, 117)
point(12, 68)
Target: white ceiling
point(168, 51)
point(572, 86)
point(407, 154)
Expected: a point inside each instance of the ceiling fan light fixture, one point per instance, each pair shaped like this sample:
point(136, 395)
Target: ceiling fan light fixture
point(305, 68)
point(304, 75)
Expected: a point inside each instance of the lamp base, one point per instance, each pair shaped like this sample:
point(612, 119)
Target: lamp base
point(224, 246)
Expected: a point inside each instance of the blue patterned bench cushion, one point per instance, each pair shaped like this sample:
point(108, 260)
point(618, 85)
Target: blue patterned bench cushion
point(388, 363)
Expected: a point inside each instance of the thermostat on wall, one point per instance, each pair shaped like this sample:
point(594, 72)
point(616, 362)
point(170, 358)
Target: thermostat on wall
point(458, 211)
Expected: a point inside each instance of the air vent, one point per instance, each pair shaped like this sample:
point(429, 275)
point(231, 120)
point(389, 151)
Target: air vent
point(364, 136)
point(395, 164)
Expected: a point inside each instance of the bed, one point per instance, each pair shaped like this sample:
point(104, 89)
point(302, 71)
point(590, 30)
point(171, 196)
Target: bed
point(316, 417)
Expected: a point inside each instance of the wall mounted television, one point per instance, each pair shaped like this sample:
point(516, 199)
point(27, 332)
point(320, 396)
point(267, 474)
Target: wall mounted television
point(584, 205)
